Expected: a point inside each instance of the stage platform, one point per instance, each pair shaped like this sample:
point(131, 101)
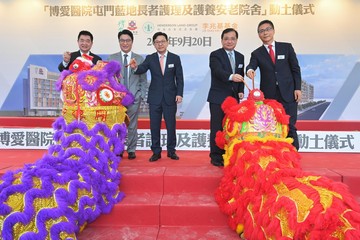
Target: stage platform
point(170, 199)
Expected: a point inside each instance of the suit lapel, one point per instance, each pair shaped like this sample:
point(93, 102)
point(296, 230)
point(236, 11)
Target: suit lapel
point(130, 56)
point(130, 72)
point(166, 61)
point(237, 57)
point(121, 59)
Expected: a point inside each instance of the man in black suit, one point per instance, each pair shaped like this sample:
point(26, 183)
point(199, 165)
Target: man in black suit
point(165, 92)
point(85, 42)
point(280, 76)
point(227, 76)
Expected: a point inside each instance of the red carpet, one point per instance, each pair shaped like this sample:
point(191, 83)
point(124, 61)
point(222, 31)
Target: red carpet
point(171, 199)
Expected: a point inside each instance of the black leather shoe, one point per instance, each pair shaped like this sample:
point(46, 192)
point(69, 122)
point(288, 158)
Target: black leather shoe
point(131, 155)
point(216, 163)
point(173, 156)
point(155, 157)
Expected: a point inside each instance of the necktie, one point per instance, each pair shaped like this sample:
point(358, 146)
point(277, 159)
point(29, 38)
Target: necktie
point(272, 54)
point(126, 81)
point(232, 62)
point(162, 63)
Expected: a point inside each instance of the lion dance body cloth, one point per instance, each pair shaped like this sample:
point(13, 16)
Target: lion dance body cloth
point(264, 191)
point(78, 178)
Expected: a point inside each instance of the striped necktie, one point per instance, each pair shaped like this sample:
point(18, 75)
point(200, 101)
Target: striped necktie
point(232, 62)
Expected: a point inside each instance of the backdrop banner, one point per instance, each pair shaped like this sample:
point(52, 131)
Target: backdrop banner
point(323, 34)
point(196, 140)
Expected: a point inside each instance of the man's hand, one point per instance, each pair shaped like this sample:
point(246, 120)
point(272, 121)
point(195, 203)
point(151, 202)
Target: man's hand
point(297, 95)
point(250, 74)
point(237, 78)
point(133, 64)
point(178, 99)
point(66, 57)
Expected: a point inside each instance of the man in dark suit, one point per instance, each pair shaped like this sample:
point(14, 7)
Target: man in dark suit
point(165, 92)
point(280, 76)
point(227, 76)
point(85, 42)
point(136, 84)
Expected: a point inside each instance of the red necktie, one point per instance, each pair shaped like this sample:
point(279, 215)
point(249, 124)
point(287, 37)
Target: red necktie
point(272, 54)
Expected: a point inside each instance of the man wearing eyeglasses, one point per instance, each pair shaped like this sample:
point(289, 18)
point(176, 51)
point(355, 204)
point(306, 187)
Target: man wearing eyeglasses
point(85, 42)
point(280, 76)
point(227, 76)
point(165, 92)
point(136, 84)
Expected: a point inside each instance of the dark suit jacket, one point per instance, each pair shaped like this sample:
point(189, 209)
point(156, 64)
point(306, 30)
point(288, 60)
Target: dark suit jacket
point(166, 86)
point(74, 55)
point(285, 72)
point(221, 87)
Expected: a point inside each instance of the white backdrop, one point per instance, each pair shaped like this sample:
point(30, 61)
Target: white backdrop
point(324, 34)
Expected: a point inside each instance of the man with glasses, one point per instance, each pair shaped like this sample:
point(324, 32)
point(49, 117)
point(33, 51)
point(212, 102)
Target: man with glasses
point(227, 76)
point(165, 92)
point(136, 84)
point(280, 76)
point(85, 42)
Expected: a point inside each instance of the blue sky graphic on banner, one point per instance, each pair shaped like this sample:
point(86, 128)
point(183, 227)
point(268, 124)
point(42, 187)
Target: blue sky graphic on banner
point(327, 73)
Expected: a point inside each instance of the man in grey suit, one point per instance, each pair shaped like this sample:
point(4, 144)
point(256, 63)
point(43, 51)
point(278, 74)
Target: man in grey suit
point(136, 84)
point(165, 92)
point(280, 76)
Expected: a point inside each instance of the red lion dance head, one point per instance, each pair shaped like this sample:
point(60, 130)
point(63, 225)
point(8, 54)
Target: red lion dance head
point(264, 191)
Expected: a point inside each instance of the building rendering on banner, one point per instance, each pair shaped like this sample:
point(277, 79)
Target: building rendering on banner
point(40, 95)
point(307, 90)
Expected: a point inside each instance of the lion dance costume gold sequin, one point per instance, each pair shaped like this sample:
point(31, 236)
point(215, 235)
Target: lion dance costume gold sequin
point(78, 178)
point(264, 192)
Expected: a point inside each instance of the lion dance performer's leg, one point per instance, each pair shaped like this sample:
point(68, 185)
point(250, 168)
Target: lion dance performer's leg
point(78, 178)
point(264, 192)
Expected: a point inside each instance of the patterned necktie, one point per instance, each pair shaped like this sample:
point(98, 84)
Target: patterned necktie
point(162, 63)
point(272, 54)
point(126, 79)
point(232, 62)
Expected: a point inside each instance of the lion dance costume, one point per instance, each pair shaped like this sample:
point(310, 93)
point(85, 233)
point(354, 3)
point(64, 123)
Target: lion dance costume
point(264, 192)
point(78, 178)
